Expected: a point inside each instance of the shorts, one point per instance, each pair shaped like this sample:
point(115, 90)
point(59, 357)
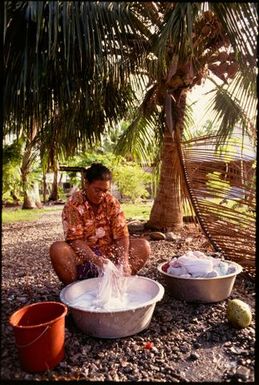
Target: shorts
point(88, 269)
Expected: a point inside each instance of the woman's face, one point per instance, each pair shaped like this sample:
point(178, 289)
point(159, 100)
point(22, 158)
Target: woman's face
point(96, 190)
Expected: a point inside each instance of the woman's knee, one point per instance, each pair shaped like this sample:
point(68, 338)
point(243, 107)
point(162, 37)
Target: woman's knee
point(61, 254)
point(140, 251)
point(58, 249)
point(146, 246)
point(63, 261)
point(140, 246)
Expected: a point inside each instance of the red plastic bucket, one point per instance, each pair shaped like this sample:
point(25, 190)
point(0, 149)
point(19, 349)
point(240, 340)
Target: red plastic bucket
point(39, 331)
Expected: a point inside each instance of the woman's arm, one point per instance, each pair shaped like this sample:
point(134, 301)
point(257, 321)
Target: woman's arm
point(84, 253)
point(122, 251)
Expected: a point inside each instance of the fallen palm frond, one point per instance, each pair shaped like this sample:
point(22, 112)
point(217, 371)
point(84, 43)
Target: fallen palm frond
point(221, 185)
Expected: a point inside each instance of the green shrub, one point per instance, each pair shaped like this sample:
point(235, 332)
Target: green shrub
point(132, 181)
point(11, 182)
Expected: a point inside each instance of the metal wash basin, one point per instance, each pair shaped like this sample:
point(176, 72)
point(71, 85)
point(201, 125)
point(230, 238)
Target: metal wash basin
point(115, 323)
point(204, 290)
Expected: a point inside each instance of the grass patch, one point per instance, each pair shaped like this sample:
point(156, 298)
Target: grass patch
point(12, 215)
point(19, 215)
point(140, 211)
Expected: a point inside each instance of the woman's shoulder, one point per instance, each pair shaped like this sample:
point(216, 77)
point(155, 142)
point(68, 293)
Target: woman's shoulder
point(111, 199)
point(76, 199)
point(112, 203)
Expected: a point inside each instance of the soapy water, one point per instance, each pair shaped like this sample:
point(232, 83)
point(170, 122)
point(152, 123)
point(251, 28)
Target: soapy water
point(91, 301)
point(111, 293)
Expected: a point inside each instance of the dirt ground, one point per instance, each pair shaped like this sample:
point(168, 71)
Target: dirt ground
point(191, 342)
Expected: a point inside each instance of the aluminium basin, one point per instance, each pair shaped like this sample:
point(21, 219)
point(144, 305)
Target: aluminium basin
point(114, 323)
point(204, 290)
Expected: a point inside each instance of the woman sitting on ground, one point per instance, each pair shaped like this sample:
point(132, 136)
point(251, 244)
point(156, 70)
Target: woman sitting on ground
point(95, 231)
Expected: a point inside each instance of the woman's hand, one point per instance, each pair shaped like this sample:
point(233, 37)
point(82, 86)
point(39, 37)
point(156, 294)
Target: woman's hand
point(126, 269)
point(101, 261)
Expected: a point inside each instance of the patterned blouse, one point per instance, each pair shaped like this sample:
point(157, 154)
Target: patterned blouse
point(100, 229)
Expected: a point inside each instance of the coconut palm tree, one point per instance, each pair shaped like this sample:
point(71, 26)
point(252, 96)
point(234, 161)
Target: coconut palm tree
point(88, 58)
point(62, 83)
point(29, 157)
point(190, 42)
point(74, 57)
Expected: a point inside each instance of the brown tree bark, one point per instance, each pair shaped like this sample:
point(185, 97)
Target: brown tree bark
point(167, 211)
point(44, 188)
point(15, 199)
point(28, 158)
point(36, 195)
point(28, 202)
point(54, 193)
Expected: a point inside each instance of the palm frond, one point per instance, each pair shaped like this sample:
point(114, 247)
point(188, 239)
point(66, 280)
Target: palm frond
point(222, 187)
point(243, 88)
point(228, 112)
point(145, 132)
point(175, 34)
point(12, 152)
point(188, 122)
point(139, 140)
point(54, 49)
point(240, 21)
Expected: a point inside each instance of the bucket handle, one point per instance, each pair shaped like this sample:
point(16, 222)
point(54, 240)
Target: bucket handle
point(36, 339)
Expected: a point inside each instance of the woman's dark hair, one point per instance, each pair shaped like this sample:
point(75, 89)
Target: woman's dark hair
point(97, 171)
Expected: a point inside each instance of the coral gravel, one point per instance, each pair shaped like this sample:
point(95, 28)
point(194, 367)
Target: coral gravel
point(183, 339)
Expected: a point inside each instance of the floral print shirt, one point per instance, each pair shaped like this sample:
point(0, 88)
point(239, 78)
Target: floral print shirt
point(100, 229)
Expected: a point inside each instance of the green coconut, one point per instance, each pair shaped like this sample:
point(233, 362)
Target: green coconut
point(239, 313)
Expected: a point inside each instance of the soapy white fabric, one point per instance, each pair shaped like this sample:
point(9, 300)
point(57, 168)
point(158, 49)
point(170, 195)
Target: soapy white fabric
point(112, 286)
point(195, 264)
point(112, 292)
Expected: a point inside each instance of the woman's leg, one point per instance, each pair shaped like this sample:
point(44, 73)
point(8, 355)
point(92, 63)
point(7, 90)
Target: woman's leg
point(63, 260)
point(138, 254)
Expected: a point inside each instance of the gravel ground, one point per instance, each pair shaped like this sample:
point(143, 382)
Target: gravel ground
point(191, 342)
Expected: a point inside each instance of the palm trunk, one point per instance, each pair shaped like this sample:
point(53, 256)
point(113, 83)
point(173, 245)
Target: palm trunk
point(36, 195)
point(15, 199)
point(54, 193)
point(28, 158)
point(44, 188)
point(28, 202)
point(167, 210)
